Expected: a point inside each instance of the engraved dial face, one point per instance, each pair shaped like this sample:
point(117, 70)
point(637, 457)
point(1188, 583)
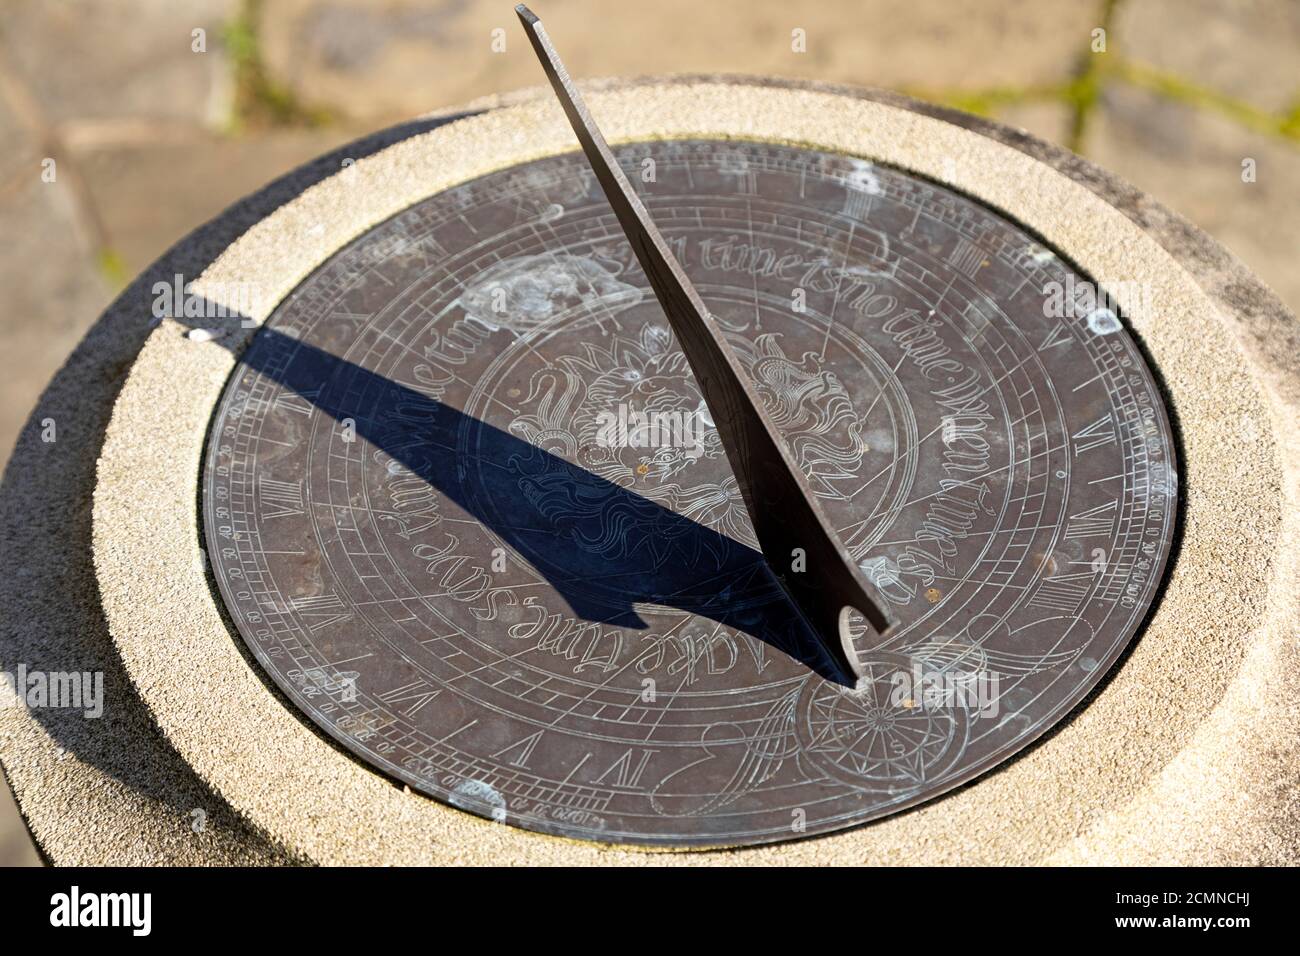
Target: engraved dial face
point(465, 506)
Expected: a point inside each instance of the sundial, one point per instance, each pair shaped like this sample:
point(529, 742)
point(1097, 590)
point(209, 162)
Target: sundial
point(467, 504)
point(782, 472)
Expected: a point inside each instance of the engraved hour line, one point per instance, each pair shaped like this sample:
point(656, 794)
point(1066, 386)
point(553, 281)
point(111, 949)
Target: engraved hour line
point(1000, 585)
point(442, 740)
point(749, 224)
point(350, 660)
point(730, 575)
point(471, 386)
point(449, 520)
point(528, 745)
point(839, 286)
point(636, 659)
point(1097, 377)
point(1059, 335)
point(1022, 461)
point(1101, 432)
point(663, 711)
point(944, 294)
point(935, 431)
point(272, 441)
point(756, 564)
point(495, 664)
point(578, 766)
point(867, 414)
point(423, 597)
point(1023, 282)
point(916, 217)
point(1017, 529)
point(418, 690)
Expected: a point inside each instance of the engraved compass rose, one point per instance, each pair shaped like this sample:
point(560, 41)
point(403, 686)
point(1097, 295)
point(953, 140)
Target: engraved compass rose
point(689, 492)
point(872, 739)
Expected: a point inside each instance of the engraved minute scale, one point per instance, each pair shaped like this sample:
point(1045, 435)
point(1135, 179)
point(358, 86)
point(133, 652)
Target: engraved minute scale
point(791, 527)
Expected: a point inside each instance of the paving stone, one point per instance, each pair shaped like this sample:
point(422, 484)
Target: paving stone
point(117, 58)
point(388, 59)
point(51, 290)
point(1190, 159)
point(15, 845)
point(1247, 48)
point(20, 155)
point(50, 293)
point(150, 198)
point(1046, 120)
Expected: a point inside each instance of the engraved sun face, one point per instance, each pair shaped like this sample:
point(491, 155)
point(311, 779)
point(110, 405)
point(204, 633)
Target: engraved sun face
point(810, 407)
point(631, 413)
point(641, 421)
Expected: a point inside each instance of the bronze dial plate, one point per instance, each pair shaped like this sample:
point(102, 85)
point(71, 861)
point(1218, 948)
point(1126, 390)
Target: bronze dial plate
point(464, 506)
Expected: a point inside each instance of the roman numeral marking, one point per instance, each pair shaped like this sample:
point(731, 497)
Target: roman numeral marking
point(419, 692)
point(320, 610)
point(1095, 522)
point(432, 248)
point(1064, 592)
point(1058, 336)
point(1101, 432)
point(279, 499)
point(522, 750)
point(966, 257)
point(857, 203)
point(301, 404)
point(624, 773)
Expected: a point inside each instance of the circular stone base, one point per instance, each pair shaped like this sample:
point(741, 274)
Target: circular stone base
point(1185, 754)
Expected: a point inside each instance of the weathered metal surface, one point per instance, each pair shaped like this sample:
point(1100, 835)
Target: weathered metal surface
point(465, 504)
